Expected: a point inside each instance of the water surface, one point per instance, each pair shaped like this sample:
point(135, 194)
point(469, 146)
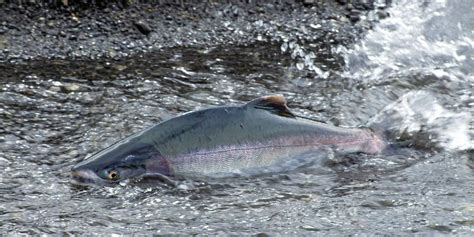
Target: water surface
point(415, 70)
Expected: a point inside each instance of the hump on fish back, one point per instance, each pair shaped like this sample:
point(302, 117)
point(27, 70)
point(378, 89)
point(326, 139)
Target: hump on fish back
point(273, 103)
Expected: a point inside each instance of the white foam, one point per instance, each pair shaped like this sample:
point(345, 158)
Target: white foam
point(432, 38)
point(419, 110)
point(416, 36)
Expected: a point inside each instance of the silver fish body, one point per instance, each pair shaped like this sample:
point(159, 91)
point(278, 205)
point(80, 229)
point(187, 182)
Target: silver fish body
point(262, 133)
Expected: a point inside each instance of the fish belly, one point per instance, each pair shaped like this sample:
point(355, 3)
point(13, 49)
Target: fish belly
point(234, 160)
point(280, 153)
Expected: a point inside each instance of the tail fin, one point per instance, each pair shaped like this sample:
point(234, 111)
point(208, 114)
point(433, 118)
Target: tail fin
point(417, 119)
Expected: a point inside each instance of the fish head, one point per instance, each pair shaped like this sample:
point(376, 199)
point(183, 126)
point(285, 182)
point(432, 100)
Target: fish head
point(124, 160)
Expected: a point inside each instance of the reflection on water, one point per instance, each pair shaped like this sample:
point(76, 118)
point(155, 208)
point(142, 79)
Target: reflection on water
point(57, 112)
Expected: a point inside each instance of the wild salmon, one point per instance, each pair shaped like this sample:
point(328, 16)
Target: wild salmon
point(222, 140)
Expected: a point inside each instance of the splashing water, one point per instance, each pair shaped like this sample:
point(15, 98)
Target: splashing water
point(417, 36)
point(429, 44)
point(304, 58)
point(419, 110)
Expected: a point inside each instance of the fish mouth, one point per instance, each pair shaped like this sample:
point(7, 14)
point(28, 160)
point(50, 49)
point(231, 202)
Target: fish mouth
point(86, 178)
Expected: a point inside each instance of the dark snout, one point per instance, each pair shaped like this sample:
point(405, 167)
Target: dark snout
point(84, 177)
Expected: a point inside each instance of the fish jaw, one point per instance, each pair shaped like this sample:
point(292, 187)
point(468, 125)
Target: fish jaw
point(86, 177)
point(128, 159)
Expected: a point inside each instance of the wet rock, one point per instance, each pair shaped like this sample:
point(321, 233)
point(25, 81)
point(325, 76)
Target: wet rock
point(4, 162)
point(354, 16)
point(465, 222)
point(378, 204)
point(309, 2)
point(143, 27)
point(310, 228)
point(51, 23)
point(382, 14)
point(349, 7)
point(441, 228)
point(363, 4)
point(71, 87)
point(3, 42)
point(120, 67)
point(55, 33)
point(55, 89)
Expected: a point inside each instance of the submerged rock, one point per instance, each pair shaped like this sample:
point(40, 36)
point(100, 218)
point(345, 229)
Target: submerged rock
point(143, 27)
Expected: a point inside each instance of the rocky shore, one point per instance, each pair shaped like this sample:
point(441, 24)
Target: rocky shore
point(36, 30)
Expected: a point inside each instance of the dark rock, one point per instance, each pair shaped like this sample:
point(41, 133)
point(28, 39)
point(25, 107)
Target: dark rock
point(363, 4)
point(354, 17)
point(167, 25)
point(349, 7)
point(382, 14)
point(81, 36)
point(236, 12)
point(143, 27)
point(309, 2)
point(440, 228)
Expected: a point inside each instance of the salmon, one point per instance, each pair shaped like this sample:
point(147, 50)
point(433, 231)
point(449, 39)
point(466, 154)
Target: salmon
point(223, 140)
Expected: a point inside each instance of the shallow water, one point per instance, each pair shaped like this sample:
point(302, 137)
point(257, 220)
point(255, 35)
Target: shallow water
point(413, 72)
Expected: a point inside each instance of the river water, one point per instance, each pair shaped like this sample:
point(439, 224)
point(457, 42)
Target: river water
point(412, 73)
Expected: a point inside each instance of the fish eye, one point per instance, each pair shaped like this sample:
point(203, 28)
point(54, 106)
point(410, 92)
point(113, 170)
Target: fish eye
point(113, 175)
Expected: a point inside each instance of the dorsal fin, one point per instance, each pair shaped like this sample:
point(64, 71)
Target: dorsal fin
point(273, 103)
